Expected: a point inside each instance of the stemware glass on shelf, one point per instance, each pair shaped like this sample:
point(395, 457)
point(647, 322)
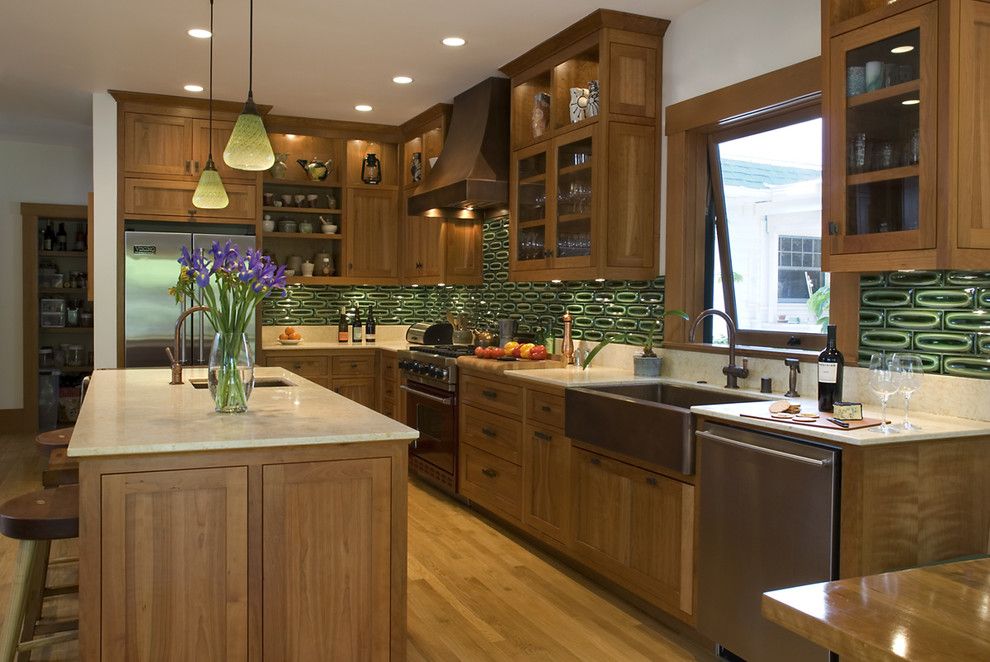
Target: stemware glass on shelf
point(885, 383)
point(910, 368)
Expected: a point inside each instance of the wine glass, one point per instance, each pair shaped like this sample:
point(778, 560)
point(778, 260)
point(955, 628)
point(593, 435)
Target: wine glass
point(910, 368)
point(884, 382)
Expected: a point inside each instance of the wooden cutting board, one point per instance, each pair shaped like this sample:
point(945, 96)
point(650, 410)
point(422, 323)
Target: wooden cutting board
point(821, 422)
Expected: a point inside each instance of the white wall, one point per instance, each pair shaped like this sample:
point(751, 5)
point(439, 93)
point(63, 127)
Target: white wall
point(29, 172)
point(721, 42)
point(104, 241)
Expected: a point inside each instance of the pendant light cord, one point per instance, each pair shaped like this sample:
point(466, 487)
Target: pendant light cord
point(250, 48)
point(210, 156)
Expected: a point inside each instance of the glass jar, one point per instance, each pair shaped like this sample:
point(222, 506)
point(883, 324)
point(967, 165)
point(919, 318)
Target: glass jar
point(46, 358)
point(74, 356)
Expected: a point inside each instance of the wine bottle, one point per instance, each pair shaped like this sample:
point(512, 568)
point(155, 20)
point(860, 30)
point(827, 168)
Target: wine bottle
point(356, 325)
point(48, 243)
point(61, 239)
point(342, 330)
point(369, 327)
point(829, 373)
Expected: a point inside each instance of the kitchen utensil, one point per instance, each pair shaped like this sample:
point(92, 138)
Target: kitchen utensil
point(287, 225)
point(507, 329)
point(267, 224)
point(295, 263)
point(286, 199)
point(298, 199)
point(289, 342)
point(911, 370)
point(311, 199)
point(268, 198)
point(306, 227)
point(277, 203)
point(317, 170)
point(884, 382)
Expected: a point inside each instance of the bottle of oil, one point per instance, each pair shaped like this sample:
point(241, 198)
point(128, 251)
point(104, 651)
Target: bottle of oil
point(342, 331)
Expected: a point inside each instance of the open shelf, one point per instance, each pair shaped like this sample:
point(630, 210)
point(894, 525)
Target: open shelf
point(73, 291)
point(533, 223)
point(66, 329)
point(567, 218)
point(569, 170)
point(883, 93)
point(303, 183)
point(314, 280)
point(302, 210)
point(61, 253)
point(885, 175)
point(534, 179)
point(302, 235)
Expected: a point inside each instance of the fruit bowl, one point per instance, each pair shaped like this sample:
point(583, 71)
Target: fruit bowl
point(289, 342)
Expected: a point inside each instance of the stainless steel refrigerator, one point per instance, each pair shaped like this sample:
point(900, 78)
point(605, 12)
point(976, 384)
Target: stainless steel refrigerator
point(150, 312)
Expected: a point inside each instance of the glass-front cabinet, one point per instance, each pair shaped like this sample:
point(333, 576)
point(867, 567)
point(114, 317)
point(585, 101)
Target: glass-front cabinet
point(882, 154)
point(532, 207)
point(575, 212)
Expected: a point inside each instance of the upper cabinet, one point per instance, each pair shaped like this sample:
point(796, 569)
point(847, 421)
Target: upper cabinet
point(908, 135)
point(157, 144)
point(584, 191)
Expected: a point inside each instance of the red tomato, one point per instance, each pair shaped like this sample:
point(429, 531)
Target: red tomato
point(498, 352)
point(479, 352)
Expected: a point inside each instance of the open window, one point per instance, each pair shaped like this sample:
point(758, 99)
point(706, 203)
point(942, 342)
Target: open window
point(765, 243)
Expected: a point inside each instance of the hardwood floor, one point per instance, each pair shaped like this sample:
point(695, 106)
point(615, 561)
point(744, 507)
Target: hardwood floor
point(475, 592)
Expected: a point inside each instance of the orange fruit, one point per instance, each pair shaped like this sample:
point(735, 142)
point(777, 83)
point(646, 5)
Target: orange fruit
point(295, 336)
point(282, 336)
point(289, 331)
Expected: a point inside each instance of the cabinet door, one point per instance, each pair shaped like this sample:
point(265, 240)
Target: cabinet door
point(974, 125)
point(327, 601)
point(423, 250)
point(882, 135)
point(578, 203)
point(201, 150)
point(157, 144)
point(661, 549)
point(547, 481)
point(531, 202)
point(371, 232)
point(633, 207)
point(633, 76)
point(360, 390)
point(462, 265)
point(174, 565)
point(163, 197)
point(602, 503)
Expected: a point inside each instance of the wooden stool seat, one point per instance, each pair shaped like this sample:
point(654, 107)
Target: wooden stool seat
point(53, 439)
point(42, 515)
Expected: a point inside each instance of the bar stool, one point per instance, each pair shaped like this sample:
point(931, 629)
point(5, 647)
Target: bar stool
point(36, 519)
point(60, 470)
point(52, 439)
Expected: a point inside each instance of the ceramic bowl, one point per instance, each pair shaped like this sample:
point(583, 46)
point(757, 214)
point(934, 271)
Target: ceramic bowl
point(289, 342)
point(328, 229)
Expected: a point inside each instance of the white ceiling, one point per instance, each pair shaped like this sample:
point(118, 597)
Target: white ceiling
point(312, 58)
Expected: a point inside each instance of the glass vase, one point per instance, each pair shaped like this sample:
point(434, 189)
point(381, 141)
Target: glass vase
point(231, 373)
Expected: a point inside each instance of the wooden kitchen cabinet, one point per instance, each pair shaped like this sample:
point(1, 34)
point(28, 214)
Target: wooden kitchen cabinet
point(173, 199)
point(359, 389)
point(371, 233)
point(462, 252)
point(547, 481)
point(423, 249)
point(584, 192)
point(201, 150)
point(905, 166)
point(305, 619)
point(157, 144)
point(175, 563)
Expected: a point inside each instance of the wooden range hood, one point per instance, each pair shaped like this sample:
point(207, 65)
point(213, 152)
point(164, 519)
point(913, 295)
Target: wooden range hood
point(471, 176)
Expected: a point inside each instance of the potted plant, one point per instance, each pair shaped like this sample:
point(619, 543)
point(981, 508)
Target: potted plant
point(647, 364)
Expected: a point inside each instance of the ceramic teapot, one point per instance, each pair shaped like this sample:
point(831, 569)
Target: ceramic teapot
point(317, 170)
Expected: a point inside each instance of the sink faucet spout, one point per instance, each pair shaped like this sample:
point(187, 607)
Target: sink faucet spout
point(174, 357)
point(732, 372)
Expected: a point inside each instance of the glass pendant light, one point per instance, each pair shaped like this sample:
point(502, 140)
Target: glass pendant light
point(210, 193)
point(249, 147)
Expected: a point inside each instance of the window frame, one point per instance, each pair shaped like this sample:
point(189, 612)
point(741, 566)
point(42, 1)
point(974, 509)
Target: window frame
point(757, 121)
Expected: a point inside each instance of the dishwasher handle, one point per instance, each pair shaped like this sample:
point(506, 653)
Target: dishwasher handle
point(768, 451)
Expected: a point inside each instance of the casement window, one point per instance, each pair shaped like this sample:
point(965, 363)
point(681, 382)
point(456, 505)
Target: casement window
point(764, 236)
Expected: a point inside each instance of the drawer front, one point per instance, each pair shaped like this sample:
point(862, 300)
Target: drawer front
point(390, 391)
point(493, 433)
point(322, 381)
point(304, 366)
point(492, 395)
point(490, 481)
point(390, 365)
point(354, 366)
point(159, 197)
point(546, 408)
point(388, 409)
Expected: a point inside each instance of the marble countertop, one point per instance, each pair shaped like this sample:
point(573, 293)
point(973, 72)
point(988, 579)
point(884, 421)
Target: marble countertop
point(392, 345)
point(928, 426)
point(136, 412)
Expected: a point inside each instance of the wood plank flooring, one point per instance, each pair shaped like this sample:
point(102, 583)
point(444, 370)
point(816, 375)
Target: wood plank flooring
point(475, 592)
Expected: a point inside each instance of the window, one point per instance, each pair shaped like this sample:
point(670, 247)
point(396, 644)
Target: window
point(766, 207)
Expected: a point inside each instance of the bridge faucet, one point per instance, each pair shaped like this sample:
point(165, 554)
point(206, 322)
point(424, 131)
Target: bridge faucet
point(173, 351)
point(732, 372)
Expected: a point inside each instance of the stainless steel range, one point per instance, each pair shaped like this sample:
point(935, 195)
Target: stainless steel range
point(431, 407)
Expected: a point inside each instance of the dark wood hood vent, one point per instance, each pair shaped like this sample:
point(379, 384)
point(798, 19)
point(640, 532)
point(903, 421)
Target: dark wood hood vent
point(471, 176)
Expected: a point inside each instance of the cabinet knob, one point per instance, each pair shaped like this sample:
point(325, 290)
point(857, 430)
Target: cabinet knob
point(354, 365)
point(542, 435)
point(296, 366)
point(833, 229)
point(596, 461)
point(650, 480)
point(488, 432)
point(491, 473)
point(545, 408)
point(491, 395)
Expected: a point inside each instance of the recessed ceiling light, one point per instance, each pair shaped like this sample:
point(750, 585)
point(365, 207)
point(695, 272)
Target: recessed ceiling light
point(193, 88)
point(199, 33)
point(453, 41)
point(402, 80)
point(901, 49)
point(364, 108)
point(911, 102)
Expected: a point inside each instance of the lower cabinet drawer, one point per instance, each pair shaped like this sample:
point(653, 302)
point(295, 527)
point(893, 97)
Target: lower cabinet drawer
point(388, 408)
point(354, 366)
point(490, 481)
point(492, 395)
point(389, 390)
point(304, 366)
point(546, 408)
point(390, 365)
point(493, 433)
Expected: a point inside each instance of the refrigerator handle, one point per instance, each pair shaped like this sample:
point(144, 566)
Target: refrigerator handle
point(182, 336)
point(202, 334)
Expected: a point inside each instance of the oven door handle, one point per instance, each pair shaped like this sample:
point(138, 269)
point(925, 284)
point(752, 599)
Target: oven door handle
point(420, 394)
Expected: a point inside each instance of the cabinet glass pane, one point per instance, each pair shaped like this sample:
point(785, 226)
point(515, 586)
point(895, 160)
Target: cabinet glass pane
point(532, 188)
point(574, 198)
point(532, 243)
point(885, 206)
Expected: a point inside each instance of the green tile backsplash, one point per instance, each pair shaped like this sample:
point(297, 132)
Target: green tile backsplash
point(942, 315)
point(621, 310)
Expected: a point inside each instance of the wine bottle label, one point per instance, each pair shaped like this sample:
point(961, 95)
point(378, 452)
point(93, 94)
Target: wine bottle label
point(828, 373)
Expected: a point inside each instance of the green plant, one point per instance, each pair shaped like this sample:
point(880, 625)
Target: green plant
point(649, 344)
point(819, 304)
point(594, 352)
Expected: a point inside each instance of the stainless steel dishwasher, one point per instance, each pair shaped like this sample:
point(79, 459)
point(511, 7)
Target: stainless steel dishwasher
point(768, 519)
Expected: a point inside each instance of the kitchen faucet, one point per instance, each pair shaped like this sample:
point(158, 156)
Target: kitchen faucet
point(732, 372)
point(173, 351)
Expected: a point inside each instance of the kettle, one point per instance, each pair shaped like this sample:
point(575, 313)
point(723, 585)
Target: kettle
point(317, 170)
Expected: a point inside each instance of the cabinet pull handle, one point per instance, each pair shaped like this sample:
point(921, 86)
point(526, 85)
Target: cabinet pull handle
point(296, 366)
point(596, 461)
point(488, 432)
point(542, 435)
point(491, 395)
point(545, 408)
point(833, 229)
point(187, 169)
point(196, 166)
point(491, 473)
point(650, 480)
point(354, 365)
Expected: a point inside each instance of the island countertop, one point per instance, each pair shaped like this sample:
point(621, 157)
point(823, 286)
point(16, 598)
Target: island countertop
point(137, 412)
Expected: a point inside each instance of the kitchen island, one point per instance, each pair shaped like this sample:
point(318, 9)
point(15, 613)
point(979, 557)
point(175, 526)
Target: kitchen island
point(276, 534)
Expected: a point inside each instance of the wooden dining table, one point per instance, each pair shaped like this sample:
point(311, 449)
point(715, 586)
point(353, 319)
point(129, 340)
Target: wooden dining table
point(939, 612)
